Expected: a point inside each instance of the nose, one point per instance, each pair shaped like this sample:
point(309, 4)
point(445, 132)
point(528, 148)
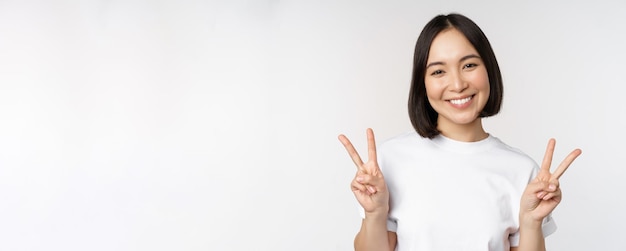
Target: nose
point(458, 83)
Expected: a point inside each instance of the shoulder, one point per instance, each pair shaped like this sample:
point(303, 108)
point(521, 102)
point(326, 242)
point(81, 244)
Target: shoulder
point(404, 149)
point(510, 151)
point(514, 157)
point(404, 140)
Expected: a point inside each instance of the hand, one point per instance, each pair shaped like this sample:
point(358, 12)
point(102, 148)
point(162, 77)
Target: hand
point(368, 184)
point(543, 194)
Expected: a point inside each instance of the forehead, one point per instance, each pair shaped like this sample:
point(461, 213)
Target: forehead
point(450, 44)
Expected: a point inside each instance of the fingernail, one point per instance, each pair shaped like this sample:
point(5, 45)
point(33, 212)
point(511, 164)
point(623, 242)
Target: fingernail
point(359, 178)
point(371, 189)
point(552, 187)
point(541, 194)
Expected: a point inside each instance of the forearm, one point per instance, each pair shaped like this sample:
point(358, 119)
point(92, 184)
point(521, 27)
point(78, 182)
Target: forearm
point(531, 236)
point(373, 234)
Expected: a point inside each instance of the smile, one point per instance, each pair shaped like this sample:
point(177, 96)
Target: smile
point(461, 101)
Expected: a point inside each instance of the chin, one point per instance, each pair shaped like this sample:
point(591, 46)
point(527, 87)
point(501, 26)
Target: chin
point(465, 120)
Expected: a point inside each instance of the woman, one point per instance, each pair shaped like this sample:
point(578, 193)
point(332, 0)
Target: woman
point(450, 185)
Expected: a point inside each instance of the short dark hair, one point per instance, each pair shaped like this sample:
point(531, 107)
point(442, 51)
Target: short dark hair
point(422, 115)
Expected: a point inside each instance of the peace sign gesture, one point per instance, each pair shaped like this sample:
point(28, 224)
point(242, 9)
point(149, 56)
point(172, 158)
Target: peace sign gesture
point(543, 194)
point(368, 184)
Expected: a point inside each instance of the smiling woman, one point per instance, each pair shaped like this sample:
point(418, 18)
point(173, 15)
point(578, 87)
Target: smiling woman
point(457, 85)
point(488, 196)
point(446, 42)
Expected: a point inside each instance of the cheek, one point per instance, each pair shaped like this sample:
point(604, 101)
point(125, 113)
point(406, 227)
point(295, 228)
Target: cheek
point(481, 80)
point(433, 89)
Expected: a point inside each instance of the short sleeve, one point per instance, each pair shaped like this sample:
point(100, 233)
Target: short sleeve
point(548, 227)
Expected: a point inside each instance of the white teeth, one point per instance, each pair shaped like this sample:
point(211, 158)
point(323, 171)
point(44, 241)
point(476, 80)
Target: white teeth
point(460, 101)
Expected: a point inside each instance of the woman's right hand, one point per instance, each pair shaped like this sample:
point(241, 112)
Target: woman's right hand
point(368, 185)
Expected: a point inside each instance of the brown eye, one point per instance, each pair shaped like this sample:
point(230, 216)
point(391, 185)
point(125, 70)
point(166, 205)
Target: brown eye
point(470, 65)
point(437, 72)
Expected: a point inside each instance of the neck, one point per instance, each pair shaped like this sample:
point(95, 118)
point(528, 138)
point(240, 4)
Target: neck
point(471, 132)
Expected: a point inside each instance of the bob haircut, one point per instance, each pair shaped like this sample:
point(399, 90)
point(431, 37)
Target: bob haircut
point(422, 115)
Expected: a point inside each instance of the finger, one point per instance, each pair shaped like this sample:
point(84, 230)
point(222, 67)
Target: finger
point(566, 163)
point(356, 186)
point(553, 185)
point(541, 195)
point(351, 151)
point(371, 145)
point(547, 157)
point(537, 187)
point(555, 194)
point(371, 189)
point(370, 180)
point(365, 179)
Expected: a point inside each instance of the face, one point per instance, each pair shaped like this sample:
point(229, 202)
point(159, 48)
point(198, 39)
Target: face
point(457, 84)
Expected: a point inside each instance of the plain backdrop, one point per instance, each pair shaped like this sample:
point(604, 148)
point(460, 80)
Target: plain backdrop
point(204, 125)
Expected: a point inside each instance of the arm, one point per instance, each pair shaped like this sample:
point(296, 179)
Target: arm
point(531, 236)
point(374, 235)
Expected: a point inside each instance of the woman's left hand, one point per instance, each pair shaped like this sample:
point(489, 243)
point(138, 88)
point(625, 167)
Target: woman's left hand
point(543, 194)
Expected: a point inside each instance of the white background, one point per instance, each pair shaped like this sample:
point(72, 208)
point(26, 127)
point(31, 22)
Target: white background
point(193, 125)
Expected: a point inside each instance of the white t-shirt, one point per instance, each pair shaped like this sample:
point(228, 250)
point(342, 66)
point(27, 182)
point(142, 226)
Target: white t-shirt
point(451, 195)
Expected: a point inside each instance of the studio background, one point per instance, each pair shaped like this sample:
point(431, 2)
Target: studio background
point(212, 125)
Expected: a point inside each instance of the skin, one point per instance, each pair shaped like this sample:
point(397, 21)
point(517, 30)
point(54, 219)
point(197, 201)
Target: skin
point(370, 190)
point(454, 72)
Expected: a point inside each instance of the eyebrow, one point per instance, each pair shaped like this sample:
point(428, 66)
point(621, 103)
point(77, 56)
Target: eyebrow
point(460, 60)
